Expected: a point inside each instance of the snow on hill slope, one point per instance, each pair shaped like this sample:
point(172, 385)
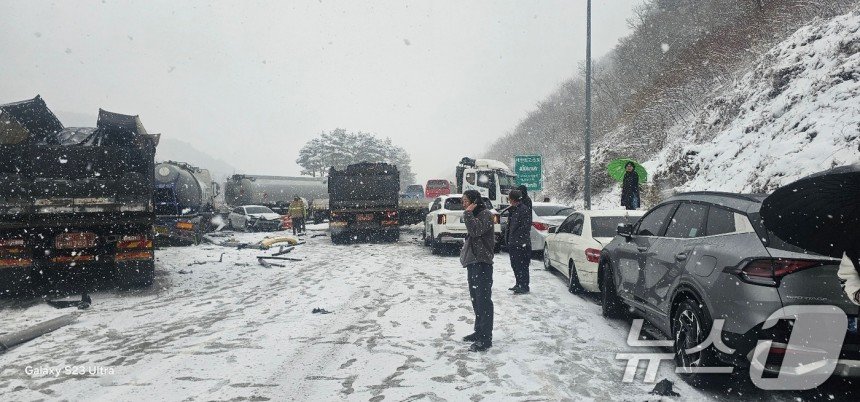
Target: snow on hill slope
point(796, 112)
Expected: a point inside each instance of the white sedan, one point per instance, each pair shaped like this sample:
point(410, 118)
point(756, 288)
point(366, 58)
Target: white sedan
point(254, 217)
point(573, 248)
point(444, 224)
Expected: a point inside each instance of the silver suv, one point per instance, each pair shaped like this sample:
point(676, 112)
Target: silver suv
point(705, 255)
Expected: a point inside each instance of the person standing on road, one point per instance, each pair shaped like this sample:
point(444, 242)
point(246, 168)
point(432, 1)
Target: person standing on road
point(477, 257)
point(518, 239)
point(526, 199)
point(297, 215)
point(630, 188)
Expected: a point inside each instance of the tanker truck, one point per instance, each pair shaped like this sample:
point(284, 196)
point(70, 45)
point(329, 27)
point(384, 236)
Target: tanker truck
point(275, 192)
point(75, 203)
point(184, 200)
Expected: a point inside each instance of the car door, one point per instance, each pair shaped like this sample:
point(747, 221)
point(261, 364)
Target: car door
point(572, 240)
point(555, 242)
point(668, 255)
point(430, 219)
point(632, 253)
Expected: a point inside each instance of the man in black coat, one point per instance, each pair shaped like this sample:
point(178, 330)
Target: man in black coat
point(518, 240)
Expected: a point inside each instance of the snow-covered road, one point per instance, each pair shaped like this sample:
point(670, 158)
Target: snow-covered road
point(234, 330)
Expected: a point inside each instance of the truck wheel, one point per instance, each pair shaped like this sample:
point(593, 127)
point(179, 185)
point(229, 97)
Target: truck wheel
point(392, 236)
point(136, 275)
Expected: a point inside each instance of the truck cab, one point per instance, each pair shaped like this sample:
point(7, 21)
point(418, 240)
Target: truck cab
point(492, 178)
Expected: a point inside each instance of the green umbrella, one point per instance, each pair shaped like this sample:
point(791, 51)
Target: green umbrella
point(616, 170)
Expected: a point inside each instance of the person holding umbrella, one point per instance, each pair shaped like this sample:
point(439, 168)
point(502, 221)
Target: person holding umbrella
point(821, 214)
point(630, 187)
point(630, 174)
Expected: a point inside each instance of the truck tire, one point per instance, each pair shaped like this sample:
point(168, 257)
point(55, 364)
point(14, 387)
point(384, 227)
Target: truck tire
point(392, 236)
point(136, 275)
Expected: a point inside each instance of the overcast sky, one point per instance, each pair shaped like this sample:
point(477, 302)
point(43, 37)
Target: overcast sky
point(251, 82)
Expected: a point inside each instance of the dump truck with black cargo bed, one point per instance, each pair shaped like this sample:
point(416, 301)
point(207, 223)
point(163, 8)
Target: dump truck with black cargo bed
point(75, 203)
point(363, 200)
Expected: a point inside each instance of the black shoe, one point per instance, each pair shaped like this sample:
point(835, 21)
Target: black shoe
point(470, 338)
point(515, 287)
point(480, 346)
point(521, 291)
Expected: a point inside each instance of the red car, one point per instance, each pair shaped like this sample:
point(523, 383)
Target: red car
point(437, 188)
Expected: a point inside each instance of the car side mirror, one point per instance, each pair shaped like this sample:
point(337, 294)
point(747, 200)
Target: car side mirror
point(553, 229)
point(625, 230)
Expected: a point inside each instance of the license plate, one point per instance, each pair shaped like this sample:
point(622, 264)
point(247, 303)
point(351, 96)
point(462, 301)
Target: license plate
point(75, 240)
point(161, 230)
point(365, 217)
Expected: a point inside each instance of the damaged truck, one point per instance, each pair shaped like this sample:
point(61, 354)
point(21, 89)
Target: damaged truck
point(363, 200)
point(184, 201)
point(75, 203)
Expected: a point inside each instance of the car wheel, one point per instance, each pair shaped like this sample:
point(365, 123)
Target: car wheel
point(547, 264)
point(612, 306)
point(435, 246)
point(573, 285)
point(691, 325)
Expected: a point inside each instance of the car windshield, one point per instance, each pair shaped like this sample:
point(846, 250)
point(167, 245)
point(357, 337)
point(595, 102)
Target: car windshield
point(258, 210)
point(606, 226)
point(552, 210)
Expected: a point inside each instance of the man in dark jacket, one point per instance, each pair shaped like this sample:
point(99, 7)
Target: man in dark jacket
point(477, 257)
point(526, 199)
point(518, 239)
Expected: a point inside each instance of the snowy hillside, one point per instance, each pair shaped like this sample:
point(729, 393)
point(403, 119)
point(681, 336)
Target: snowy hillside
point(796, 112)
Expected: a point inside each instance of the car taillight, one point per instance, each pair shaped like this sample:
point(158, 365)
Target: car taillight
point(769, 271)
point(391, 214)
point(592, 255)
point(442, 219)
point(540, 226)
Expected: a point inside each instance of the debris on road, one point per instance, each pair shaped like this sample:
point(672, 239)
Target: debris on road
point(664, 388)
point(220, 259)
point(284, 250)
point(269, 257)
point(266, 243)
point(267, 264)
point(320, 311)
point(16, 338)
point(82, 304)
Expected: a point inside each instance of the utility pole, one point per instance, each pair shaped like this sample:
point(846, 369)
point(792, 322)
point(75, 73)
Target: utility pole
point(588, 110)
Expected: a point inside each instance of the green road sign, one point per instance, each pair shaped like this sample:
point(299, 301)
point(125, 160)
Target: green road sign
point(529, 169)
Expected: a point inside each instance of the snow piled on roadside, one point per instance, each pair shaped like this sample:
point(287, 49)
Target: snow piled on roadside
point(796, 112)
point(799, 113)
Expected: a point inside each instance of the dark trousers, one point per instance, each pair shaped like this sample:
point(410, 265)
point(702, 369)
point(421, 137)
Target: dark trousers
point(521, 258)
point(481, 289)
point(298, 225)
